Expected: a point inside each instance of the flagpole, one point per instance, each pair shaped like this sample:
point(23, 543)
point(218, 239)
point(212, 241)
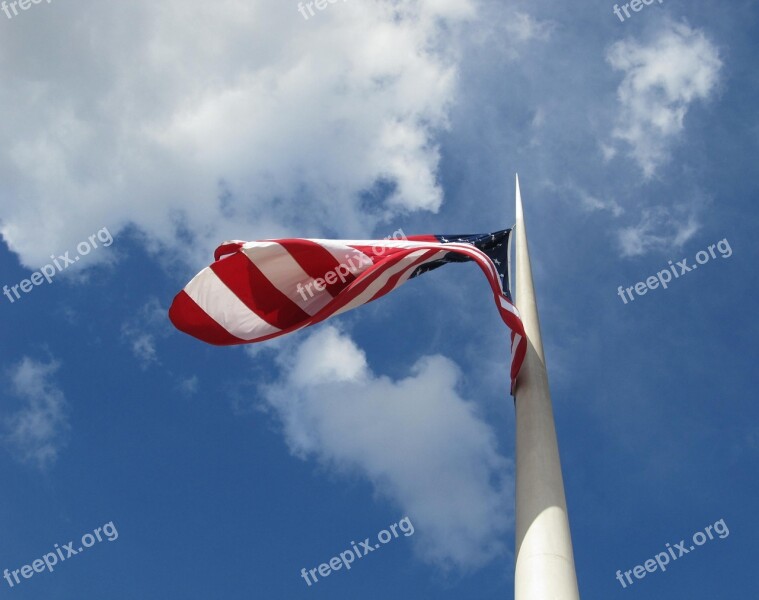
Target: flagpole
point(545, 568)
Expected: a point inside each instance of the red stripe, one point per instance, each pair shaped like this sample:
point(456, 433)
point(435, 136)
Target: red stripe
point(193, 320)
point(357, 287)
point(317, 262)
point(517, 360)
point(252, 287)
point(378, 251)
point(393, 281)
point(228, 248)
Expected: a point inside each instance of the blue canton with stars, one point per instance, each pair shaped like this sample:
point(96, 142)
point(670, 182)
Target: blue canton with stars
point(495, 245)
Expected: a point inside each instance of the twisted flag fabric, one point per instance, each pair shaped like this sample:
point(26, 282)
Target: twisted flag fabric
point(255, 291)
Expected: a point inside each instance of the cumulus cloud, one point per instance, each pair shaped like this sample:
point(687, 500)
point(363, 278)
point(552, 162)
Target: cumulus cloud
point(199, 121)
point(421, 444)
point(35, 432)
point(661, 81)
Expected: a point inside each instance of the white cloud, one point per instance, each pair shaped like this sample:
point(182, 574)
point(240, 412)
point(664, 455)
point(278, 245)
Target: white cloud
point(658, 229)
point(417, 440)
point(143, 346)
point(592, 203)
point(523, 27)
point(198, 121)
point(141, 332)
point(538, 118)
point(587, 201)
point(661, 80)
point(505, 32)
point(189, 385)
point(35, 432)
point(608, 151)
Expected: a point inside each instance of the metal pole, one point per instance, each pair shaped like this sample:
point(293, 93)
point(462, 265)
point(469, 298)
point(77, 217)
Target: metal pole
point(545, 568)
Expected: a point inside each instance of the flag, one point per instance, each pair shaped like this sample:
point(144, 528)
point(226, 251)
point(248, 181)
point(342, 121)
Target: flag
point(255, 291)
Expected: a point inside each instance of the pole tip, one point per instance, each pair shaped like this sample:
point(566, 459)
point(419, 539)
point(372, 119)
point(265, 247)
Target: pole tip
point(519, 213)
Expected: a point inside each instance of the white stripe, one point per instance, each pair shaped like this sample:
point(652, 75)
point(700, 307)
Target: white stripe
point(482, 259)
point(223, 306)
point(410, 270)
point(465, 248)
point(345, 255)
point(509, 307)
point(515, 344)
point(403, 244)
point(380, 282)
point(377, 243)
point(469, 248)
point(285, 274)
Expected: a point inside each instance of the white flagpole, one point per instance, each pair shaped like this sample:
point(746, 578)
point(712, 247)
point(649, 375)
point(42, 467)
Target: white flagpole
point(545, 568)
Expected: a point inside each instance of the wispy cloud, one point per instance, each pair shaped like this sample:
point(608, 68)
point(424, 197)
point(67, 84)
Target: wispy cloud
point(593, 203)
point(189, 385)
point(142, 331)
point(659, 229)
point(523, 27)
point(36, 431)
point(661, 80)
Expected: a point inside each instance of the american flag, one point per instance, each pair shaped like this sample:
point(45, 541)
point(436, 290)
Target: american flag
point(255, 291)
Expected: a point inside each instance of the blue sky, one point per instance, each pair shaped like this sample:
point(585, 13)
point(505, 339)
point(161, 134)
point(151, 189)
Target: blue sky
point(170, 127)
